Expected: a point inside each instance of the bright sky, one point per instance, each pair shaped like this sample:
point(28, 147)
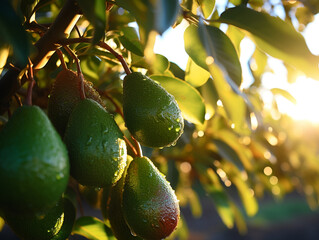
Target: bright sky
point(304, 90)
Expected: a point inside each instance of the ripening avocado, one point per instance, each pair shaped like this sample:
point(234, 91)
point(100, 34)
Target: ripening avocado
point(151, 114)
point(149, 204)
point(114, 212)
point(64, 96)
point(34, 164)
point(95, 144)
point(54, 224)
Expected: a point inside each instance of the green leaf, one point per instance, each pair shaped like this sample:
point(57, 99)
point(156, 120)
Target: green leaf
point(248, 199)
point(207, 7)
point(195, 75)
point(166, 12)
point(94, 11)
point(150, 15)
point(234, 104)
point(12, 33)
point(27, 6)
point(228, 153)
point(274, 36)
point(131, 41)
point(239, 219)
point(284, 93)
point(236, 36)
point(188, 98)
point(210, 95)
point(194, 48)
point(160, 64)
point(213, 187)
point(92, 228)
point(231, 139)
point(221, 51)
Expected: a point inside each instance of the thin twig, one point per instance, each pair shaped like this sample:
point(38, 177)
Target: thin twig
point(79, 71)
point(100, 44)
point(131, 146)
point(78, 31)
point(60, 54)
point(18, 100)
point(117, 107)
point(31, 84)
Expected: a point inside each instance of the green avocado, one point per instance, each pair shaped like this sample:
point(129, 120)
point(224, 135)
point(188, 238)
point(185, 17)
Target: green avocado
point(151, 114)
point(34, 164)
point(95, 144)
point(54, 224)
point(149, 204)
point(65, 95)
point(114, 212)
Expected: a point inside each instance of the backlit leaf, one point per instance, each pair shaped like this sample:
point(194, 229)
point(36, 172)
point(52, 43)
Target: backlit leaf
point(221, 51)
point(188, 98)
point(92, 228)
point(195, 75)
point(228, 153)
point(94, 11)
point(284, 93)
point(151, 15)
point(131, 41)
point(207, 7)
point(274, 36)
point(248, 199)
point(213, 187)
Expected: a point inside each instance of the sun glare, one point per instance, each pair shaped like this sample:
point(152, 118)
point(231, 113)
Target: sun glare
point(306, 93)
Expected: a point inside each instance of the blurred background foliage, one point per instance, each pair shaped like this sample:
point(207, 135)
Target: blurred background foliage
point(233, 147)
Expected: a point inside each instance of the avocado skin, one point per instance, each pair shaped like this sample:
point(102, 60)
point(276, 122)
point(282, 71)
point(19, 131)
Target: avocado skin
point(149, 204)
point(34, 164)
point(65, 95)
point(95, 144)
point(151, 114)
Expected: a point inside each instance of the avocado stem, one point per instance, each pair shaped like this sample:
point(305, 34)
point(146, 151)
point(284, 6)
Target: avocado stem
point(138, 147)
point(31, 84)
point(131, 146)
point(79, 71)
point(60, 55)
point(101, 44)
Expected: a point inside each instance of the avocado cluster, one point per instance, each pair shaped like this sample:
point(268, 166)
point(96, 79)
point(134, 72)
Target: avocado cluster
point(79, 139)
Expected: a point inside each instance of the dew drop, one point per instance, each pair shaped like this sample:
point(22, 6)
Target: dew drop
point(106, 131)
point(97, 189)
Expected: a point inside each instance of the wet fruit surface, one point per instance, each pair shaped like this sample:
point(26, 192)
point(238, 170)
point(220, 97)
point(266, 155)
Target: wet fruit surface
point(95, 144)
point(65, 95)
point(42, 226)
point(150, 206)
point(34, 164)
point(151, 114)
point(115, 214)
